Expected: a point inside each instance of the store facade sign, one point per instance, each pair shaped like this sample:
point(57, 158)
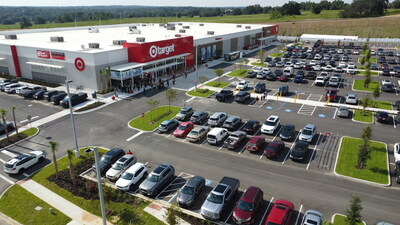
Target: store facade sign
point(58, 55)
point(79, 64)
point(43, 54)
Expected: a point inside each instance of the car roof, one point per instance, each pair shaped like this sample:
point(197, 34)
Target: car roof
point(197, 113)
point(255, 138)
point(232, 118)
point(161, 168)
point(194, 181)
point(309, 126)
point(279, 210)
point(250, 194)
point(124, 158)
point(216, 114)
point(351, 95)
point(272, 118)
point(186, 123)
point(289, 126)
point(216, 130)
point(186, 108)
point(300, 144)
point(135, 167)
point(198, 128)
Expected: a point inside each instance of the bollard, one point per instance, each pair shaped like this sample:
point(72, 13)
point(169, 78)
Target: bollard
point(327, 102)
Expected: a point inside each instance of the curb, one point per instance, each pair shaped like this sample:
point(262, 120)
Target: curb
point(9, 219)
point(356, 121)
point(358, 179)
point(20, 141)
point(339, 214)
point(94, 109)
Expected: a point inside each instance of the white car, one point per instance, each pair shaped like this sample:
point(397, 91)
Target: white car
point(396, 152)
point(325, 75)
point(316, 67)
point(351, 72)
point(327, 57)
point(351, 99)
point(373, 52)
point(266, 70)
point(328, 68)
point(313, 63)
point(319, 81)
point(398, 54)
point(242, 85)
point(18, 90)
point(340, 51)
point(23, 162)
point(298, 66)
point(10, 88)
point(312, 217)
point(120, 166)
point(270, 125)
point(383, 82)
point(339, 69)
point(356, 52)
point(317, 57)
point(342, 64)
point(307, 134)
point(131, 176)
point(258, 69)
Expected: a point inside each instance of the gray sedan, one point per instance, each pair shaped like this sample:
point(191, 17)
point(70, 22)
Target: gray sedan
point(190, 191)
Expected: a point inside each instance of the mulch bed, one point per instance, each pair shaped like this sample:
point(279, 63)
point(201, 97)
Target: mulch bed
point(194, 220)
point(13, 139)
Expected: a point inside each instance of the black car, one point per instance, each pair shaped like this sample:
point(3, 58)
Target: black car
point(278, 72)
point(311, 75)
point(303, 55)
point(190, 191)
point(108, 159)
point(250, 126)
point(57, 98)
point(251, 74)
point(268, 59)
point(30, 92)
point(284, 89)
point(288, 131)
point(242, 96)
point(387, 88)
point(276, 59)
point(271, 76)
point(75, 99)
point(9, 125)
point(49, 94)
point(259, 88)
point(199, 117)
point(300, 72)
point(224, 95)
point(392, 61)
point(332, 63)
point(382, 117)
point(299, 150)
point(385, 72)
point(39, 95)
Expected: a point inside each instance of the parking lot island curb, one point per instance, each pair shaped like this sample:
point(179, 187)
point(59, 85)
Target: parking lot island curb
point(20, 141)
point(6, 220)
point(339, 214)
point(159, 211)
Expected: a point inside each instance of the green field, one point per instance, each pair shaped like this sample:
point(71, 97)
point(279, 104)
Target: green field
point(20, 204)
point(200, 93)
point(31, 131)
point(371, 60)
point(276, 54)
point(359, 85)
point(378, 104)
point(144, 123)
point(376, 170)
point(238, 73)
point(258, 64)
point(216, 84)
point(93, 206)
point(341, 220)
point(358, 116)
point(373, 73)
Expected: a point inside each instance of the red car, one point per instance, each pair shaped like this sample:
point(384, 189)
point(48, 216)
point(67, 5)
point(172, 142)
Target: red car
point(274, 149)
point(255, 143)
point(248, 205)
point(332, 94)
point(283, 78)
point(281, 213)
point(183, 129)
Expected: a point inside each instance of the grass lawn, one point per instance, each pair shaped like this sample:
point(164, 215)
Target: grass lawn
point(358, 85)
point(238, 73)
point(371, 60)
point(398, 48)
point(217, 84)
point(378, 104)
point(376, 170)
point(143, 123)
point(341, 220)
point(276, 54)
point(200, 92)
point(373, 73)
point(92, 206)
point(30, 131)
point(258, 64)
point(20, 204)
point(358, 116)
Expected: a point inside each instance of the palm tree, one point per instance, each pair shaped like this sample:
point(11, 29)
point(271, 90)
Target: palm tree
point(3, 114)
point(70, 153)
point(107, 74)
point(101, 74)
point(15, 121)
point(53, 148)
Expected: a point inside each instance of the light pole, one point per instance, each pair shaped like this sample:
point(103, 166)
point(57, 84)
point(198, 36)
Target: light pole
point(196, 73)
point(100, 186)
point(77, 153)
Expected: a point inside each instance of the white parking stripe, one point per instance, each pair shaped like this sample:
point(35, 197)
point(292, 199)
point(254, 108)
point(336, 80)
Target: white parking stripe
point(131, 138)
point(394, 122)
point(231, 78)
point(334, 114)
point(266, 210)
point(6, 179)
point(3, 161)
point(298, 215)
point(9, 153)
point(291, 148)
point(24, 121)
point(314, 150)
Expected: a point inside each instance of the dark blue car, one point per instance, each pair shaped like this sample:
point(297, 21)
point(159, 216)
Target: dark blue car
point(298, 79)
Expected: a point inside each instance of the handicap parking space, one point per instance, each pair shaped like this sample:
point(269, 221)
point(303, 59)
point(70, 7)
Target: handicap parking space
point(169, 192)
point(325, 112)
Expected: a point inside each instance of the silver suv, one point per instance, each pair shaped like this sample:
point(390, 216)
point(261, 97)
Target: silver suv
point(217, 119)
point(157, 179)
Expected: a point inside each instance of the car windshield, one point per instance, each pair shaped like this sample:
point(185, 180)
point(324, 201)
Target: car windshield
point(181, 127)
point(271, 149)
point(9, 165)
point(183, 112)
point(215, 198)
point(193, 132)
point(187, 190)
point(105, 159)
point(245, 206)
point(153, 178)
point(312, 222)
point(269, 123)
point(117, 166)
point(307, 132)
point(127, 176)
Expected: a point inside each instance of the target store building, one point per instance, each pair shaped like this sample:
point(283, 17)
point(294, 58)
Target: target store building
point(130, 50)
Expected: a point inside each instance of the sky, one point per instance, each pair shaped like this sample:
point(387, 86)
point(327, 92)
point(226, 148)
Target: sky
point(203, 3)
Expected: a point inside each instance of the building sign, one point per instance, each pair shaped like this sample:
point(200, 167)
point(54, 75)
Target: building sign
point(43, 54)
point(58, 55)
point(155, 50)
point(118, 75)
point(79, 64)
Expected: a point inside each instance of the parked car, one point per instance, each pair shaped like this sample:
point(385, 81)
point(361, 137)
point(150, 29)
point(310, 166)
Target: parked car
point(108, 159)
point(308, 132)
point(224, 95)
point(274, 149)
point(270, 125)
point(9, 125)
point(250, 126)
point(197, 133)
point(248, 206)
point(388, 88)
point(199, 117)
point(288, 132)
point(183, 129)
point(242, 85)
point(283, 90)
point(23, 161)
point(234, 139)
point(188, 194)
point(31, 92)
point(333, 82)
point(219, 198)
point(120, 166)
point(157, 179)
point(351, 99)
point(299, 150)
point(232, 122)
point(298, 79)
point(260, 87)
point(312, 217)
point(75, 99)
point(382, 117)
point(343, 112)
point(256, 143)
point(39, 95)
point(242, 96)
point(11, 88)
point(57, 98)
point(281, 213)
point(5, 83)
point(48, 94)
point(319, 81)
point(131, 176)
point(217, 135)
point(331, 94)
point(168, 125)
point(251, 74)
point(283, 78)
point(185, 113)
point(311, 75)
point(217, 119)
point(21, 88)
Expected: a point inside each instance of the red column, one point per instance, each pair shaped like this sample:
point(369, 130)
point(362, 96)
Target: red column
point(16, 61)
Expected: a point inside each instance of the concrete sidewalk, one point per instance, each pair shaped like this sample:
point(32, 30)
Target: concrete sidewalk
point(77, 214)
point(158, 211)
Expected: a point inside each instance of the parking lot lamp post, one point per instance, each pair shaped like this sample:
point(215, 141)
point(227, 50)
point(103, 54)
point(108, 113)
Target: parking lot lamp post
point(99, 185)
point(196, 73)
point(77, 153)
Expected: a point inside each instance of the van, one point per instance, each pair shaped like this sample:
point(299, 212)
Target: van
point(288, 71)
point(242, 96)
point(217, 135)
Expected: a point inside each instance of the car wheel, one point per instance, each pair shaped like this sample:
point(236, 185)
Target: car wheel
point(41, 159)
point(21, 171)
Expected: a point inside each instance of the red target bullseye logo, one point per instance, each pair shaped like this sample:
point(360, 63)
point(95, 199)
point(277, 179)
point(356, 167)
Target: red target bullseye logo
point(79, 64)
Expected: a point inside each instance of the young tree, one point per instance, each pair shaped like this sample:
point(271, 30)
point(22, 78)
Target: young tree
point(242, 63)
point(70, 154)
point(25, 23)
point(365, 103)
point(3, 114)
point(354, 211)
point(101, 76)
point(362, 60)
point(171, 96)
point(15, 121)
point(367, 78)
point(376, 93)
point(260, 55)
point(171, 214)
point(364, 148)
point(365, 47)
point(218, 72)
point(53, 148)
point(368, 56)
point(152, 103)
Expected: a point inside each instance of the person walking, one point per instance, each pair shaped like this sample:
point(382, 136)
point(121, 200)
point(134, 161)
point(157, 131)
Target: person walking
point(173, 80)
point(167, 83)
